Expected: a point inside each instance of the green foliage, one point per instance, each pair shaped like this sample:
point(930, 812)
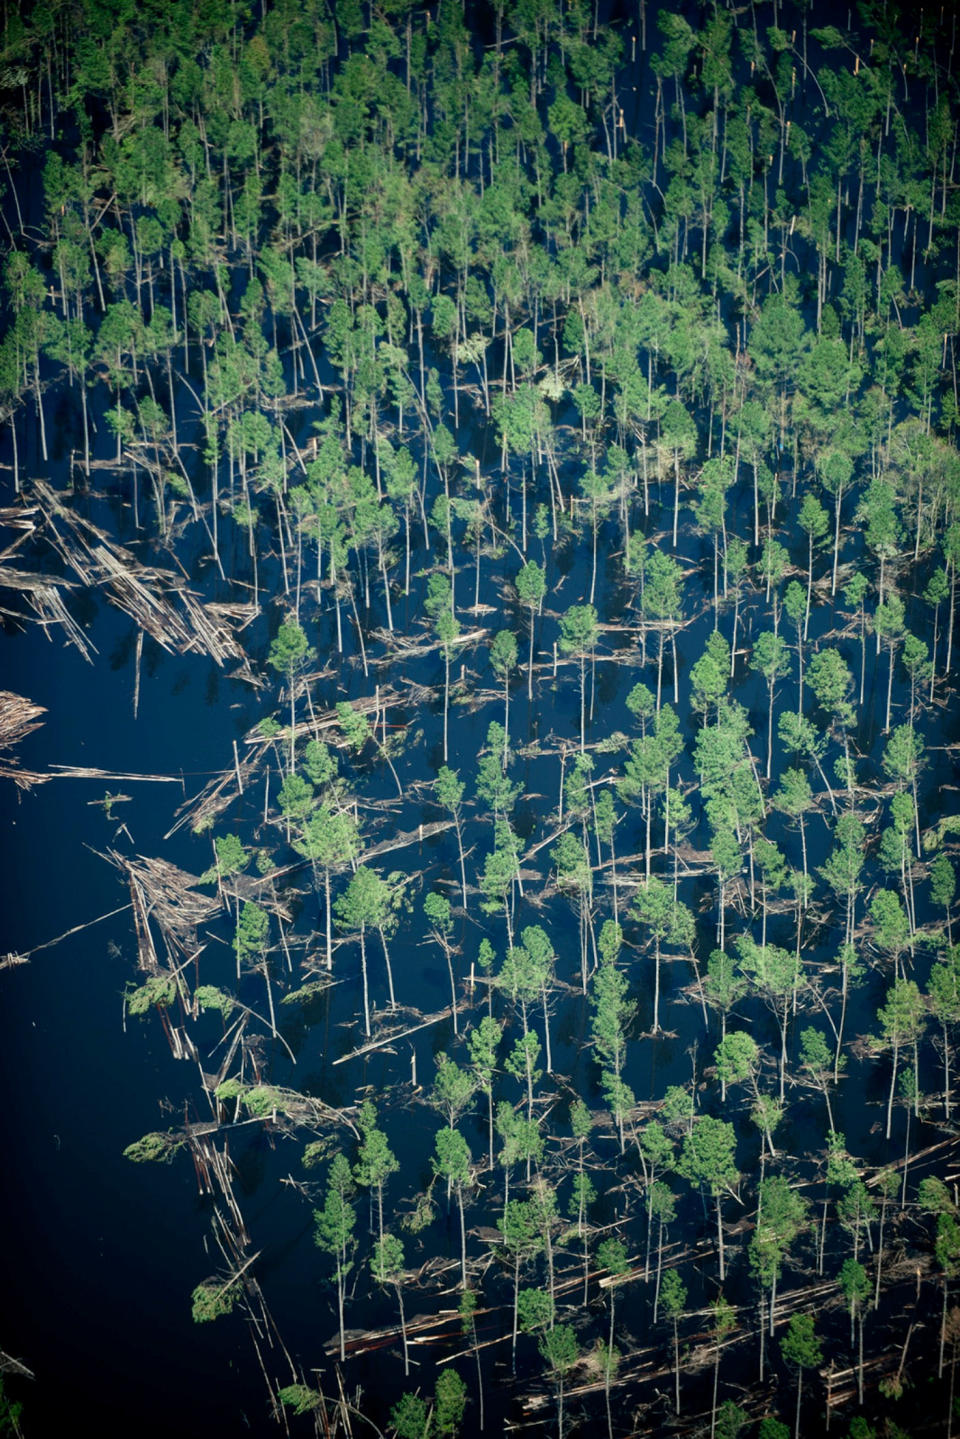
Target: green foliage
point(409, 1417)
point(901, 1017)
point(578, 630)
point(943, 881)
point(387, 1259)
point(500, 869)
point(943, 989)
point(354, 725)
point(503, 653)
point(231, 858)
point(448, 789)
point(731, 1420)
point(263, 1100)
point(251, 934)
point(450, 1401)
point(815, 1054)
point(902, 754)
point(673, 1294)
point(319, 763)
point(572, 864)
point(531, 585)
point(375, 1159)
point(534, 1310)
point(10, 1411)
point(335, 1222)
point(296, 797)
point(769, 656)
point(737, 1057)
point(452, 1089)
point(781, 1218)
point(677, 1105)
point(559, 1348)
point(800, 1347)
point(436, 908)
point(723, 985)
point(211, 1300)
point(855, 1283)
point(612, 1255)
point(493, 787)
point(484, 1042)
point(708, 1155)
point(521, 1062)
point(831, 681)
point(290, 651)
point(367, 902)
point(613, 1012)
point(300, 1398)
point(230, 1089)
point(153, 1148)
point(159, 991)
point(860, 1429)
point(329, 838)
point(520, 1229)
point(581, 1121)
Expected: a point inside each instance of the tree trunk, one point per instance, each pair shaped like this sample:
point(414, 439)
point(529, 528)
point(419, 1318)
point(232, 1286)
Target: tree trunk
point(893, 1083)
point(453, 987)
point(607, 1369)
point(366, 996)
point(386, 957)
point(530, 661)
point(720, 1240)
point(463, 1238)
point(341, 1287)
point(326, 884)
point(403, 1331)
point(516, 1294)
point(796, 1425)
point(583, 703)
point(656, 986)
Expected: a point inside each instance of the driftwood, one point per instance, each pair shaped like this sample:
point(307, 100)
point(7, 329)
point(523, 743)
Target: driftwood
point(160, 601)
point(203, 809)
point(9, 1365)
point(397, 645)
point(8, 961)
point(18, 718)
point(218, 794)
point(412, 836)
point(42, 595)
point(28, 580)
point(386, 697)
point(162, 892)
point(394, 1034)
point(20, 517)
point(420, 1329)
point(74, 771)
point(258, 890)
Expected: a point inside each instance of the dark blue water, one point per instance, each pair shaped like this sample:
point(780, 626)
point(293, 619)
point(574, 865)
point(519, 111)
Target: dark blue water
point(97, 1249)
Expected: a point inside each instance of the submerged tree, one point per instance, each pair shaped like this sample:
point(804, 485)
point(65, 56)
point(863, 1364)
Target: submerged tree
point(801, 1350)
point(707, 1159)
point(335, 1223)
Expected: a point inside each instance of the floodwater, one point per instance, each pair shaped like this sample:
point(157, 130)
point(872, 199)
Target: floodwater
point(102, 1254)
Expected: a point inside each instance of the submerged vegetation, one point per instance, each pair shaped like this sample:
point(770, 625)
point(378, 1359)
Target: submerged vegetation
point(550, 413)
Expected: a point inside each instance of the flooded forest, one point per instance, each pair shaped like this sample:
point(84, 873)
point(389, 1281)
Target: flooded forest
point(479, 532)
